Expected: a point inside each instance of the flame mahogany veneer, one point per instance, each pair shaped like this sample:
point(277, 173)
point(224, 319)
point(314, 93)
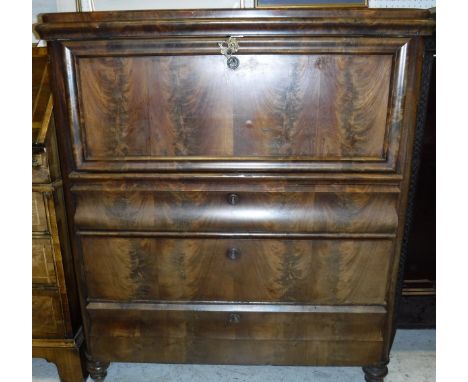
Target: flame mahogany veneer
point(247, 216)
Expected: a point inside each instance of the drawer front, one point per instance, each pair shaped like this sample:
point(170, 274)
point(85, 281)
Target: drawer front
point(47, 318)
point(219, 211)
point(43, 265)
point(39, 214)
point(308, 271)
point(318, 104)
point(40, 168)
point(235, 336)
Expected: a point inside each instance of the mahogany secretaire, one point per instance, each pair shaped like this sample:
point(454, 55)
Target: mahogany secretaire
point(236, 180)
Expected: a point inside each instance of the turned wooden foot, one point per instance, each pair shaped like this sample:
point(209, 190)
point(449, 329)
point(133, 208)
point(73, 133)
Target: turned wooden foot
point(97, 370)
point(375, 373)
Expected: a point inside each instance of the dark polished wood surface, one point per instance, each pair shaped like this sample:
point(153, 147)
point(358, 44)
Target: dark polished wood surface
point(235, 336)
point(305, 271)
point(141, 208)
point(157, 23)
point(422, 245)
point(334, 112)
point(231, 216)
point(418, 301)
point(171, 106)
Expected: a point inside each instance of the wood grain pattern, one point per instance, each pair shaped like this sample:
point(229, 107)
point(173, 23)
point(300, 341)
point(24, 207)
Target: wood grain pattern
point(316, 107)
point(415, 50)
point(41, 95)
point(40, 169)
point(179, 121)
point(43, 265)
point(45, 162)
point(47, 318)
point(56, 322)
point(187, 211)
point(152, 145)
point(257, 326)
point(66, 354)
point(237, 352)
point(68, 361)
point(192, 336)
point(39, 214)
point(316, 271)
point(318, 22)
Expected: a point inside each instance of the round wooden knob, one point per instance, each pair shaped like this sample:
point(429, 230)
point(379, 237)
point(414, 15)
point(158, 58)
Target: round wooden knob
point(234, 318)
point(233, 199)
point(233, 253)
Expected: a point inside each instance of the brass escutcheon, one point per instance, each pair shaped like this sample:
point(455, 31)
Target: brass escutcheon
point(228, 48)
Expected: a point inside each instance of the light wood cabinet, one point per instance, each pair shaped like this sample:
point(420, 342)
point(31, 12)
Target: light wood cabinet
point(57, 333)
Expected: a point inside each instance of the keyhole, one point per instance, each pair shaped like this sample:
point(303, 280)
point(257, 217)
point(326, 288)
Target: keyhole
point(233, 199)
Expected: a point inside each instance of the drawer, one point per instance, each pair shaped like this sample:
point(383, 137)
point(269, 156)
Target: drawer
point(241, 211)
point(47, 318)
point(43, 265)
point(317, 105)
point(39, 214)
point(40, 168)
point(235, 334)
point(309, 271)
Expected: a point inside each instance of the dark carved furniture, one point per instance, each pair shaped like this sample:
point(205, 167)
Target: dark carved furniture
point(56, 322)
point(236, 181)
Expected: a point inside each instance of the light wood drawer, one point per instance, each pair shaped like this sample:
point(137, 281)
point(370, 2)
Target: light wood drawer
point(47, 318)
point(39, 213)
point(183, 269)
point(40, 168)
point(43, 265)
